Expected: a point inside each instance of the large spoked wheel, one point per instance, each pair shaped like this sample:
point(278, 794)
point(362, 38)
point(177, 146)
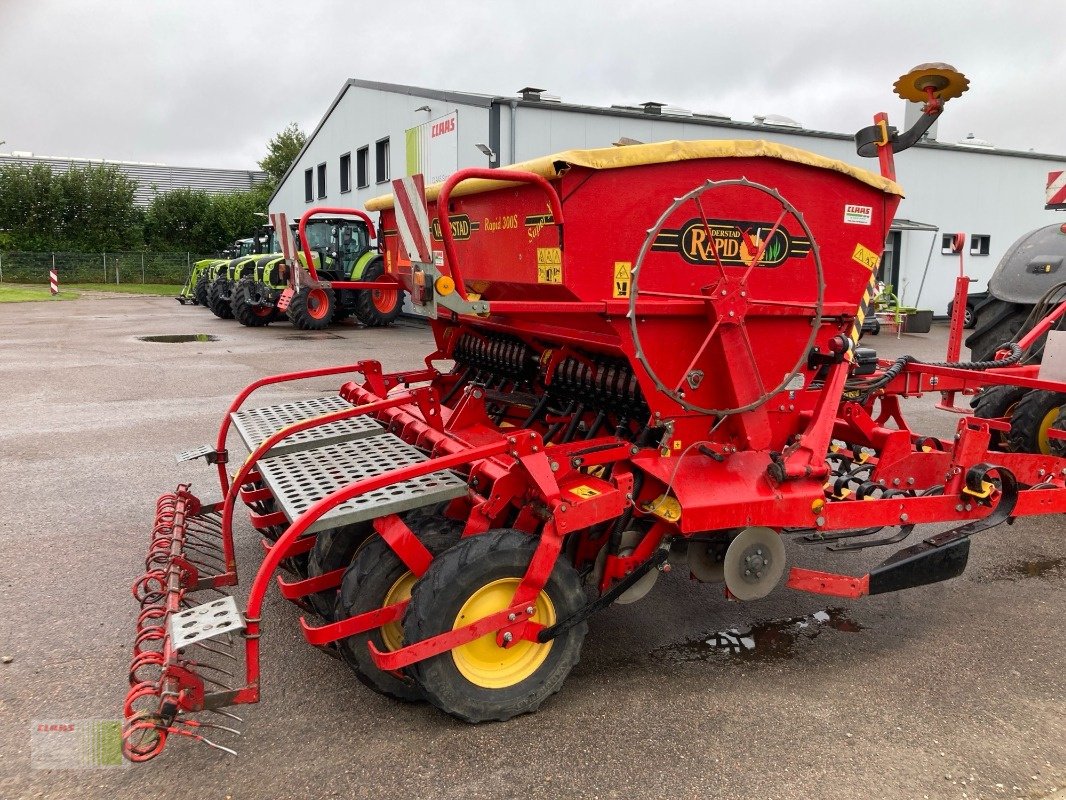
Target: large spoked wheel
point(482, 681)
point(377, 308)
point(247, 304)
point(311, 308)
point(378, 578)
point(218, 298)
point(758, 284)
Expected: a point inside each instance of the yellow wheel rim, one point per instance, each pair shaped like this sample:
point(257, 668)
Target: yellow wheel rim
point(482, 661)
point(392, 632)
point(1043, 440)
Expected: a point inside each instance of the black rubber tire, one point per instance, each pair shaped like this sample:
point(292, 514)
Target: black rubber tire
point(219, 305)
point(1027, 419)
point(244, 308)
point(199, 291)
point(1058, 446)
point(996, 324)
point(365, 310)
point(302, 313)
point(997, 402)
point(334, 549)
point(435, 604)
point(969, 318)
point(372, 574)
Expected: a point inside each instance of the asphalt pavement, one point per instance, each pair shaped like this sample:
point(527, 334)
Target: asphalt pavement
point(954, 690)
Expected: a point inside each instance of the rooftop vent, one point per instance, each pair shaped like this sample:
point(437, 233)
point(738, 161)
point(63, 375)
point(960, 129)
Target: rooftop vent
point(676, 111)
point(973, 141)
point(21, 154)
point(651, 107)
point(535, 95)
point(777, 120)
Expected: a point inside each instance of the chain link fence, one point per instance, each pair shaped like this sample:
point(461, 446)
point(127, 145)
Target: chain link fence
point(129, 267)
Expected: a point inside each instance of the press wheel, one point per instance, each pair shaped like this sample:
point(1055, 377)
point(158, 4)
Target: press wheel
point(754, 563)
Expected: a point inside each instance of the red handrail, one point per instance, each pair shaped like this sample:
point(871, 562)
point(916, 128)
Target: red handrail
point(503, 175)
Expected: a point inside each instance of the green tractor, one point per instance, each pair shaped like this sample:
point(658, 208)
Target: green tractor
point(203, 272)
point(341, 250)
point(220, 280)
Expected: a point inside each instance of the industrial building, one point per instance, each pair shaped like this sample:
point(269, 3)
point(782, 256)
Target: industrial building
point(152, 179)
point(374, 132)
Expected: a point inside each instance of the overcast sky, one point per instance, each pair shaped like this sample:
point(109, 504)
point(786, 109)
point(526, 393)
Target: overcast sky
point(207, 83)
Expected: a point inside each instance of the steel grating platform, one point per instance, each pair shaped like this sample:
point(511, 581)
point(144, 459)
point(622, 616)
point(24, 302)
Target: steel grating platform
point(299, 479)
point(256, 424)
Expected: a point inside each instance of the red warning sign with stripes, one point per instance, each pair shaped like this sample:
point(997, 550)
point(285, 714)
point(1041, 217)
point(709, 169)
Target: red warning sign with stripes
point(53, 281)
point(412, 218)
point(288, 250)
point(1056, 190)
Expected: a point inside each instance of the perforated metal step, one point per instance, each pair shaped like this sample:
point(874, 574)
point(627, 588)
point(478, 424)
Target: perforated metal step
point(255, 425)
point(301, 478)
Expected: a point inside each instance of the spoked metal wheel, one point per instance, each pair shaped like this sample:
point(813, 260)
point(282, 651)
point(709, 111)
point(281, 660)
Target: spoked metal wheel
point(758, 283)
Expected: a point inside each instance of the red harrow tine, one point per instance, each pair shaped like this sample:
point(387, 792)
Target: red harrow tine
point(186, 555)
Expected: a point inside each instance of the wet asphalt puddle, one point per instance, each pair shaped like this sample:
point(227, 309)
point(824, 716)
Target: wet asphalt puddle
point(771, 640)
point(178, 338)
point(1047, 568)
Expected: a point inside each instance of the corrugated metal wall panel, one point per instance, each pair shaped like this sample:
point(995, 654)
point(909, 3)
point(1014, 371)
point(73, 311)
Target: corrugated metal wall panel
point(153, 178)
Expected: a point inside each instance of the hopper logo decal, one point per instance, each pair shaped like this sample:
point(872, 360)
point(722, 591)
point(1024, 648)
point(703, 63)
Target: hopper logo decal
point(737, 242)
point(461, 227)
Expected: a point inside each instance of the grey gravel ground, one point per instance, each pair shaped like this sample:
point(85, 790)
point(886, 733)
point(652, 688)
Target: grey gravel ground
point(949, 691)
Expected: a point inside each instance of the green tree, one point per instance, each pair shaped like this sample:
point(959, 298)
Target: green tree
point(282, 150)
point(184, 219)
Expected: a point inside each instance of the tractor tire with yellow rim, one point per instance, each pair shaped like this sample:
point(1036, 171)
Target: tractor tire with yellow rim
point(482, 681)
point(1033, 417)
point(334, 548)
point(998, 402)
point(377, 578)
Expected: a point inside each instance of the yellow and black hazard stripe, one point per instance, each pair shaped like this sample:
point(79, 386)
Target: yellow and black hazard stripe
point(866, 308)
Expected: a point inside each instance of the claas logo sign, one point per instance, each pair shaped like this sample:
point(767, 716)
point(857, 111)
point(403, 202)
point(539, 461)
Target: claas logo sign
point(736, 242)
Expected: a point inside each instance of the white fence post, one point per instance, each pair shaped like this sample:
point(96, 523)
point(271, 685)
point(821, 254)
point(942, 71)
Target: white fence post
point(105, 266)
point(142, 268)
point(1, 267)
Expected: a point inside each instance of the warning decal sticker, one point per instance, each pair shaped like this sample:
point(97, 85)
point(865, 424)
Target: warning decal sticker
point(549, 265)
point(622, 272)
point(865, 256)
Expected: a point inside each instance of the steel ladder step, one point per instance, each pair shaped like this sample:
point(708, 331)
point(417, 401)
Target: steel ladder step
point(256, 425)
point(299, 479)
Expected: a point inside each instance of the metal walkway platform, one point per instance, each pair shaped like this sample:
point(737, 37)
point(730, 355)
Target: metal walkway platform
point(299, 479)
point(255, 425)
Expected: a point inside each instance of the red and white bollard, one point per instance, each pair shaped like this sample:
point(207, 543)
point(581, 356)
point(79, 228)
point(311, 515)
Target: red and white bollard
point(53, 281)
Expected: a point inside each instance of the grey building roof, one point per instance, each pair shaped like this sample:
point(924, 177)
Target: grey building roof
point(153, 178)
point(633, 112)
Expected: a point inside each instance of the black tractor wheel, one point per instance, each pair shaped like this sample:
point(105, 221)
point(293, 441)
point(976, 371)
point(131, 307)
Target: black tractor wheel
point(482, 681)
point(334, 549)
point(199, 291)
point(1034, 416)
point(997, 323)
point(311, 308)
point(245, 306)
point(377, 308)
point(218, 304)
point(378, 578)
point(997, 402)
point(1058, 446)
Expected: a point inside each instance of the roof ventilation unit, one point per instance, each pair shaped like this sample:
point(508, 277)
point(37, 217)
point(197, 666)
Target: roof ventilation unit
point(973, 141)
point(535, 95)
point(777, 120)
point(651, 107)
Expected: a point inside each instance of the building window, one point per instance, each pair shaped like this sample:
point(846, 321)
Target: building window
point(947, 244)
point(346, 173)
point(321, 181)
point(362, 167)
point(381, 156)
point(309, 189)
point(979, 244)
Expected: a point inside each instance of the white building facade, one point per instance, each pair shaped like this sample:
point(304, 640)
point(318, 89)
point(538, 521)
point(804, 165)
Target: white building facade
point(374, 132)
